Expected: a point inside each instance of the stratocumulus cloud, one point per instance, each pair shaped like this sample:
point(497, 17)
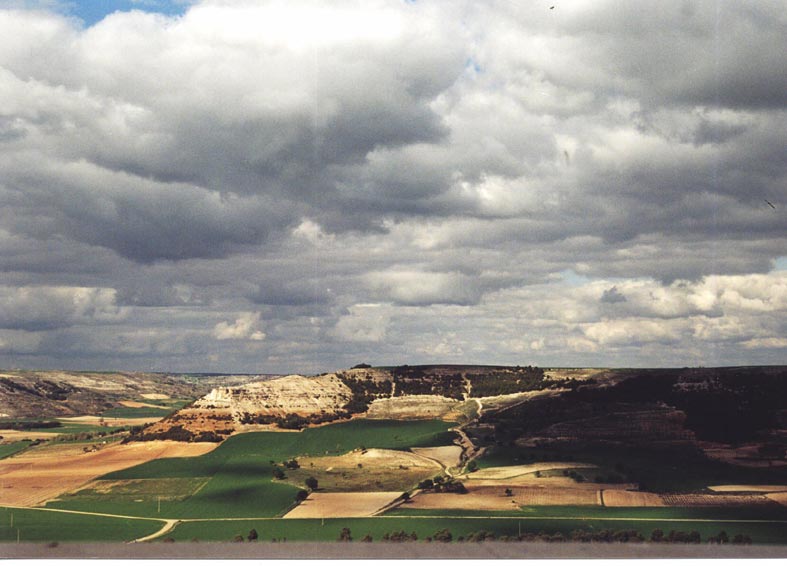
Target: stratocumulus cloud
point(392, 182)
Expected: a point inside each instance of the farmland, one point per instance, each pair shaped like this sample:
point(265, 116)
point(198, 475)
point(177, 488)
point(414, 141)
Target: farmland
point(239, 473)
point(507, 466)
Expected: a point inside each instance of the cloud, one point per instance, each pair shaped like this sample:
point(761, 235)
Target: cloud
point(47, 308)
point(416, 176)
point(363, 323)
point(245, 327)
point(612, 295)
point(424, 288)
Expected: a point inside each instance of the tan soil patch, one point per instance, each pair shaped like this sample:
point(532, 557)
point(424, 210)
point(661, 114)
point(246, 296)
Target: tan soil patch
point(374, 470)
point(489, 498)
point(780, 498)
point(196, 420)
point(40, 475)
point(623, 498)
point(508, 472)
point(448, 456)
point(501, 401)
point(703, 500)
point(154, 396)
point(580, 374)
point(110, 421)
point(748, 487)
point(325, 505)
point(553, 482)
point(412, 406)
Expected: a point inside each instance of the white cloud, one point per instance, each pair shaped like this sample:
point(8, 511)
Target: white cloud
point(364, 323)
point(245, 327)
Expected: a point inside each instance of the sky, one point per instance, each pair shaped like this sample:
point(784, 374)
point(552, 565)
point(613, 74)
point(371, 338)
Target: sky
point(301, 186)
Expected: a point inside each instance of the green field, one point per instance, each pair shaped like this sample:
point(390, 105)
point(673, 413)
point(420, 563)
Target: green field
point(162, 409)
point(329, 529)
point(31, 525)
point(12, 448)
point(240, 480)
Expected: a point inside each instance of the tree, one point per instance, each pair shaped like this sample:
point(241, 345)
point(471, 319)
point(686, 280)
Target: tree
point(345, 535)
point(278, 474)
point(472, 466)
point(301, 495)
point(252, 535)
point(367, 538)
point(657, 536)
point(405, 496)
point(509, 492)
point(443, 535)
point(311, 483)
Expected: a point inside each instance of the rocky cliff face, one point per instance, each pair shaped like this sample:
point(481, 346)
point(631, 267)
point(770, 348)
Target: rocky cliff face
point(292, 394)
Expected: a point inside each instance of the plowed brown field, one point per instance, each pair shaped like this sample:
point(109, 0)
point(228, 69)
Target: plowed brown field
point(40, 475)
point(623, 498)
point(325, 505)
point(488, 498)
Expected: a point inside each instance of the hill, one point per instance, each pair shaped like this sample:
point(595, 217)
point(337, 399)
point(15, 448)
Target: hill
point(49, 394)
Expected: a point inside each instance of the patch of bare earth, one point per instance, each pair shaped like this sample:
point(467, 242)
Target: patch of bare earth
point(623, 498)
point(109, 421)
point(495, 498)
point(509, 472)
point(197, 420)
point(580, 374)
point(748, 487)
point(374, 470)
point(40, 475)
point(412, 406)
point(503, 401)
point(447, 456)
point(325, 505)
point(780, 498)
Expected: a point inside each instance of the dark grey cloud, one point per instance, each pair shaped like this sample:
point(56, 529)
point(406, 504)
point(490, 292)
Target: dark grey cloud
point(298, 186)
point(612, 296)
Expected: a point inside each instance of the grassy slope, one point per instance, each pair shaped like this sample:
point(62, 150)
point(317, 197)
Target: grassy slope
point(240, 470)
point(36, 525)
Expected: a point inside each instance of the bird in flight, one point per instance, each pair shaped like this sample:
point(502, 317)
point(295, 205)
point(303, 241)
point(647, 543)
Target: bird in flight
point(770, 204)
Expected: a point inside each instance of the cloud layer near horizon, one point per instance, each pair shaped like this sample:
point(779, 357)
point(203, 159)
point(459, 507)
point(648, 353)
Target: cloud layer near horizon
point(295, 186)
